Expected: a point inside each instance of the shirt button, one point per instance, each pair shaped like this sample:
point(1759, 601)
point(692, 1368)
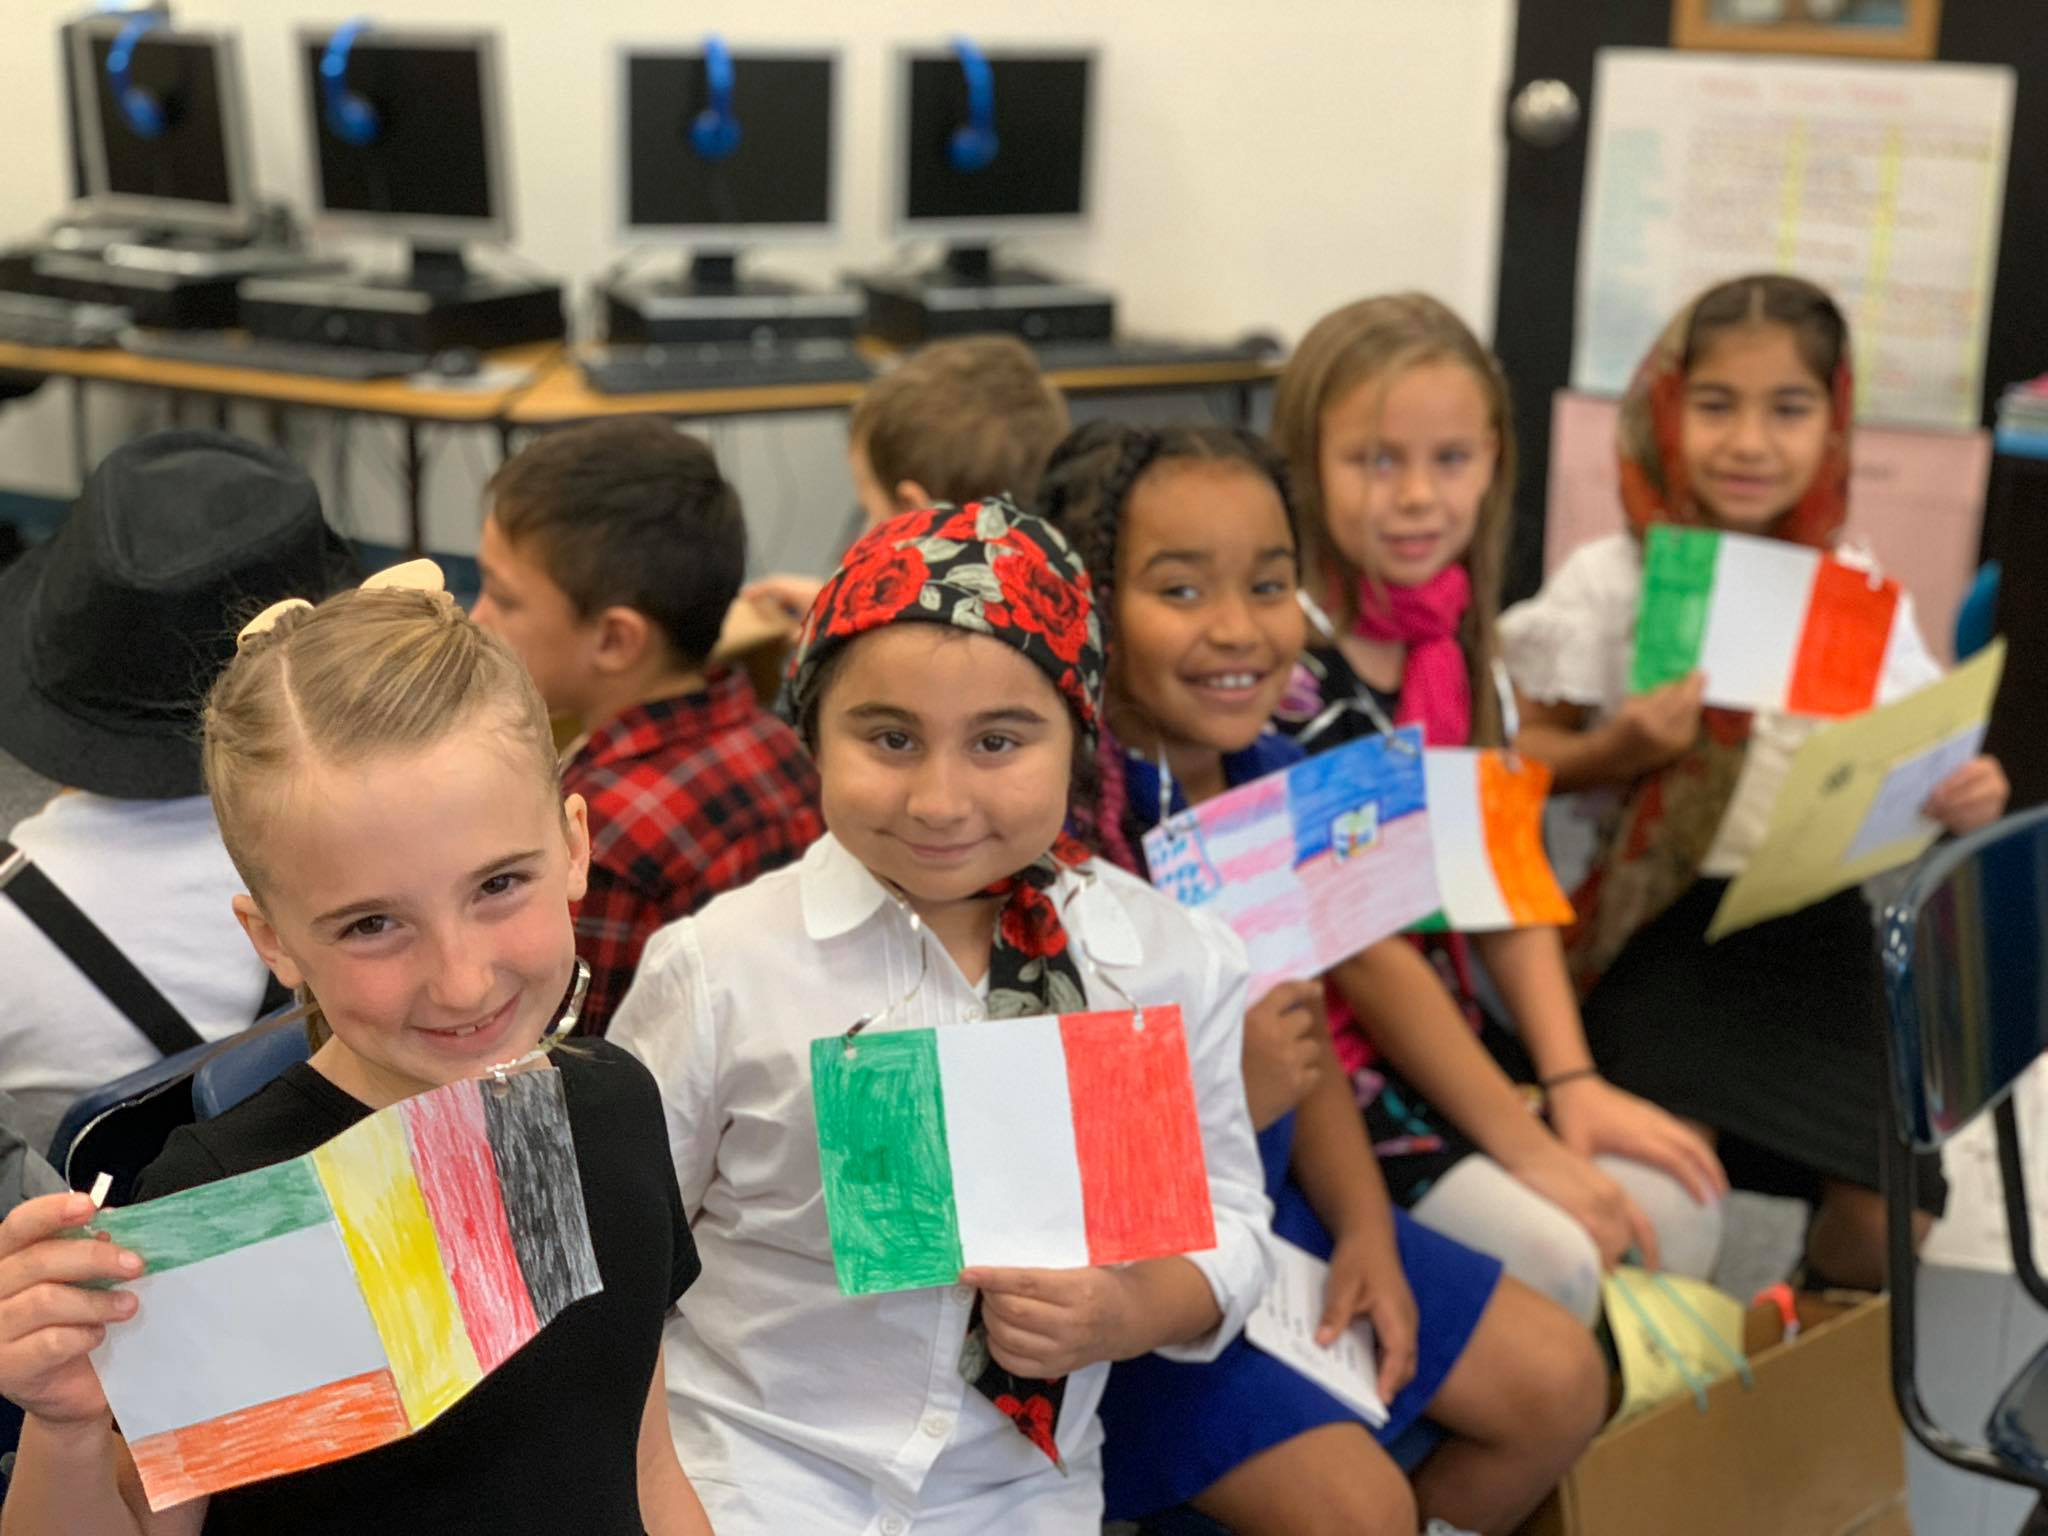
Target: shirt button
point(972, 1012)
point(892, 1525)
point(937, 1425)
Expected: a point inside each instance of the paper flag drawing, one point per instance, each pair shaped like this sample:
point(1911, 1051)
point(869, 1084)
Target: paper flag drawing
point(1850, 805)
point(325, 1306)
point(1312, 863)
point(1772, 625)
point(1047, 1143)
point(1486, 826)
point(1671, 1335)
point(1284, 1325)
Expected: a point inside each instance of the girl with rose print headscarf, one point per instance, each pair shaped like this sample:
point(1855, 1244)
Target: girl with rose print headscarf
point(1190, 536)
point(947, 681)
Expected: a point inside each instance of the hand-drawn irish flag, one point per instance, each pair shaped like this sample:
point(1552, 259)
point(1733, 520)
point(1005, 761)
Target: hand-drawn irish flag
point(325, 1306)
point(1772, 625)
point(1486, 833)
point(1045, 1143)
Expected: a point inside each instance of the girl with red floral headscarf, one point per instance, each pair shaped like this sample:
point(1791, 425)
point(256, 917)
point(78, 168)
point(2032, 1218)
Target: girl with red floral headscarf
point(1738, 419)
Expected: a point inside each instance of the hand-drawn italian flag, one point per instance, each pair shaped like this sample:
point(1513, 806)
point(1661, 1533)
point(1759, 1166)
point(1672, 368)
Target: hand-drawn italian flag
point(1772, 625)
point(1486, 833)
point(322, 1307)
point(1045, 1143)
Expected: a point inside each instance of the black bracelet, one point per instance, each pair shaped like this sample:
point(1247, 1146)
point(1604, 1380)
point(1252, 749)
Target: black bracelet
point(1551, 1084)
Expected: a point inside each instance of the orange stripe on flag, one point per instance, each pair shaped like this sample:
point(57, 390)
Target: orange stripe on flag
point(291, 1434)
point(1841, 649)
point(1511, 806)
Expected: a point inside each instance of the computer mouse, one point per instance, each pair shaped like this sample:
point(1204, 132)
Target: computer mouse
point(458, 363)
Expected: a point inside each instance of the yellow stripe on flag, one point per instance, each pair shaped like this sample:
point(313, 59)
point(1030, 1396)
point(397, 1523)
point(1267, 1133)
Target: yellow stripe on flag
point(367, 1172)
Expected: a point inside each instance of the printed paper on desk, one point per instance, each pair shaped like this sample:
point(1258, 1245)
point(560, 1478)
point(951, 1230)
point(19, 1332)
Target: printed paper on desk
point(325, 1306)
point(1312, 863)
point(1486, 832)
point(1044, 1143)
point(1772, 625)
point(1284, 1325)
point(1850, 788)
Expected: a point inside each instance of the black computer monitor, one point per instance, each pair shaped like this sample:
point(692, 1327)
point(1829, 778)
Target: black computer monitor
point(165, 133)
point(776, 182)
point(1042, 119)
point(407, 134)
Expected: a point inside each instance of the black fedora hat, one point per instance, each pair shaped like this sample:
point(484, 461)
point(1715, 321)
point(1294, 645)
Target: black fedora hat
point(111, 633)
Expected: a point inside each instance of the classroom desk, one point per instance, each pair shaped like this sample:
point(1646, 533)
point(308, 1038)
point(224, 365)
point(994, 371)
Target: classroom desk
point(401, 400)
point(560, 396)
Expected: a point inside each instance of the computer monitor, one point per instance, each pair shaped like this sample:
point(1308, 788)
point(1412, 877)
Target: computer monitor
point(163, 123)
point(407, 133)
point(758, 166)
point(1034, 172)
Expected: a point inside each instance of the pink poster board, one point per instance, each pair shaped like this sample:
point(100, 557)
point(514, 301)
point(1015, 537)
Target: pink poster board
point(1916, 500)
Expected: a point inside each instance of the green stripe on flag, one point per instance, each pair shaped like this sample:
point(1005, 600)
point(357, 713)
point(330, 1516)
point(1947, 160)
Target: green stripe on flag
point(1436, 922)
point(882, 1151)
point(1678, 589)
point(213, 1219)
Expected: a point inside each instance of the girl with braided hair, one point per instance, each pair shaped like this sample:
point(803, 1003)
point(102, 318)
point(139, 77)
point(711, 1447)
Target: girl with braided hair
point(1190, 541)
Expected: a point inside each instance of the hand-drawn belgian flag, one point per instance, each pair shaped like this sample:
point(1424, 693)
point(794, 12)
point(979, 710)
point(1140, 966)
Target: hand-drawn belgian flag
point(321, 1307)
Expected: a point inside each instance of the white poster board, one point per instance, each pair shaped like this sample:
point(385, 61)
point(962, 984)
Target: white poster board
point(1882, 182)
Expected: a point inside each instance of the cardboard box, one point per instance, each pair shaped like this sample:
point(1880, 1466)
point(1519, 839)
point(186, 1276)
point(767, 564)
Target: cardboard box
point(1814, 1449)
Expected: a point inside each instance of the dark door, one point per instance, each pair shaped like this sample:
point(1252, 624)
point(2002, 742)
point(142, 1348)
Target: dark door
point(1556, 40)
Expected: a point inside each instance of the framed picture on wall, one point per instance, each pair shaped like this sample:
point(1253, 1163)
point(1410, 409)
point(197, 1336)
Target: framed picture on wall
point(1883, 29)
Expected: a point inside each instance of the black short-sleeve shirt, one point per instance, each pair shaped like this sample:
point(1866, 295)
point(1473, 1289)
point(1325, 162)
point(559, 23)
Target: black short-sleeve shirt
point(548, 1441)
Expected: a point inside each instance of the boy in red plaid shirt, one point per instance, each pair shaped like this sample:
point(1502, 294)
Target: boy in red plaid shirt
point(610, 554)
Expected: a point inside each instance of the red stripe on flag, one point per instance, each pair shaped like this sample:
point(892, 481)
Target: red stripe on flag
point(1137, 1136)
point(307, 1429)
point(1841, 649)
point(458, 1174)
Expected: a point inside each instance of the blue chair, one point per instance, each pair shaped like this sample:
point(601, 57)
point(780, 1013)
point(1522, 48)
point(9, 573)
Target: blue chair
point(1977, 616)
point(1966, 990)
point(248, 1063)
point(119, 1128)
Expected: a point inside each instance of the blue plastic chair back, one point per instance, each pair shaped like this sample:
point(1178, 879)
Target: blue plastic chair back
point(110, 1126)
point(1965, 975)
point(1977, 617)
point(247, 1063)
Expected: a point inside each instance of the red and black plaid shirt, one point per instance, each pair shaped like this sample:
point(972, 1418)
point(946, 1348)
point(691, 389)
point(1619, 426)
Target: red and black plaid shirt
point(688, 797)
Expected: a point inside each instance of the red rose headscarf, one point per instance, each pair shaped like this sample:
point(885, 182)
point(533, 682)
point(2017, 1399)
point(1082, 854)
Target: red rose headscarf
point(1653, 850)
point(991, 570)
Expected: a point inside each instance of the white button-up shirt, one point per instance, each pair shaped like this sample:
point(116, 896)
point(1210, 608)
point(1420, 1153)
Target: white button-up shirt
point(797, 1409)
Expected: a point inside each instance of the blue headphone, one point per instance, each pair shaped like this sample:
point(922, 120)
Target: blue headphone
point(142, 109)
point(350, 116)
point(973, 145)
point(715, 132)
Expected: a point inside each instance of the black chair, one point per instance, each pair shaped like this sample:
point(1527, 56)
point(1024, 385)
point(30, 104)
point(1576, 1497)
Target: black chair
point(1965, 956)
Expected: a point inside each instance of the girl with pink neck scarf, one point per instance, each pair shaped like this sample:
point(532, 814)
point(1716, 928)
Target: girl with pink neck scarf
point(1396, 427)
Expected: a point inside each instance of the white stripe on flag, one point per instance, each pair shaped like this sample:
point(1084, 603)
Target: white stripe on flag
point(248, 1326)
point(1761, 591)
point(1010, 1134)
point(1464, 865)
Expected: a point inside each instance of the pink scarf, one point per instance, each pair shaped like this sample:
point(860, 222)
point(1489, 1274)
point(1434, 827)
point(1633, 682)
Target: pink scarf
point(1436, 689)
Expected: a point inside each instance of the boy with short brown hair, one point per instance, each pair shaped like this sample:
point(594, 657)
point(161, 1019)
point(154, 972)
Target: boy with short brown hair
point(955, 421)
point(610, 554)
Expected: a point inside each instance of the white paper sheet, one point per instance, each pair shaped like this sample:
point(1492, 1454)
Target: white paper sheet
point(1894, 816)
point(1882, 182)
point(1284, 1326)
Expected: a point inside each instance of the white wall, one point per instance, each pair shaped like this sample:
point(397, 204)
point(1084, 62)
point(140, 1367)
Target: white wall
point(1256, 165)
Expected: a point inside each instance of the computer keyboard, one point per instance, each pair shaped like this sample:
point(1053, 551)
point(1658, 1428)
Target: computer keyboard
point(657, 369)
point(307, 358)
point(35, 320)
point(1145, 352)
